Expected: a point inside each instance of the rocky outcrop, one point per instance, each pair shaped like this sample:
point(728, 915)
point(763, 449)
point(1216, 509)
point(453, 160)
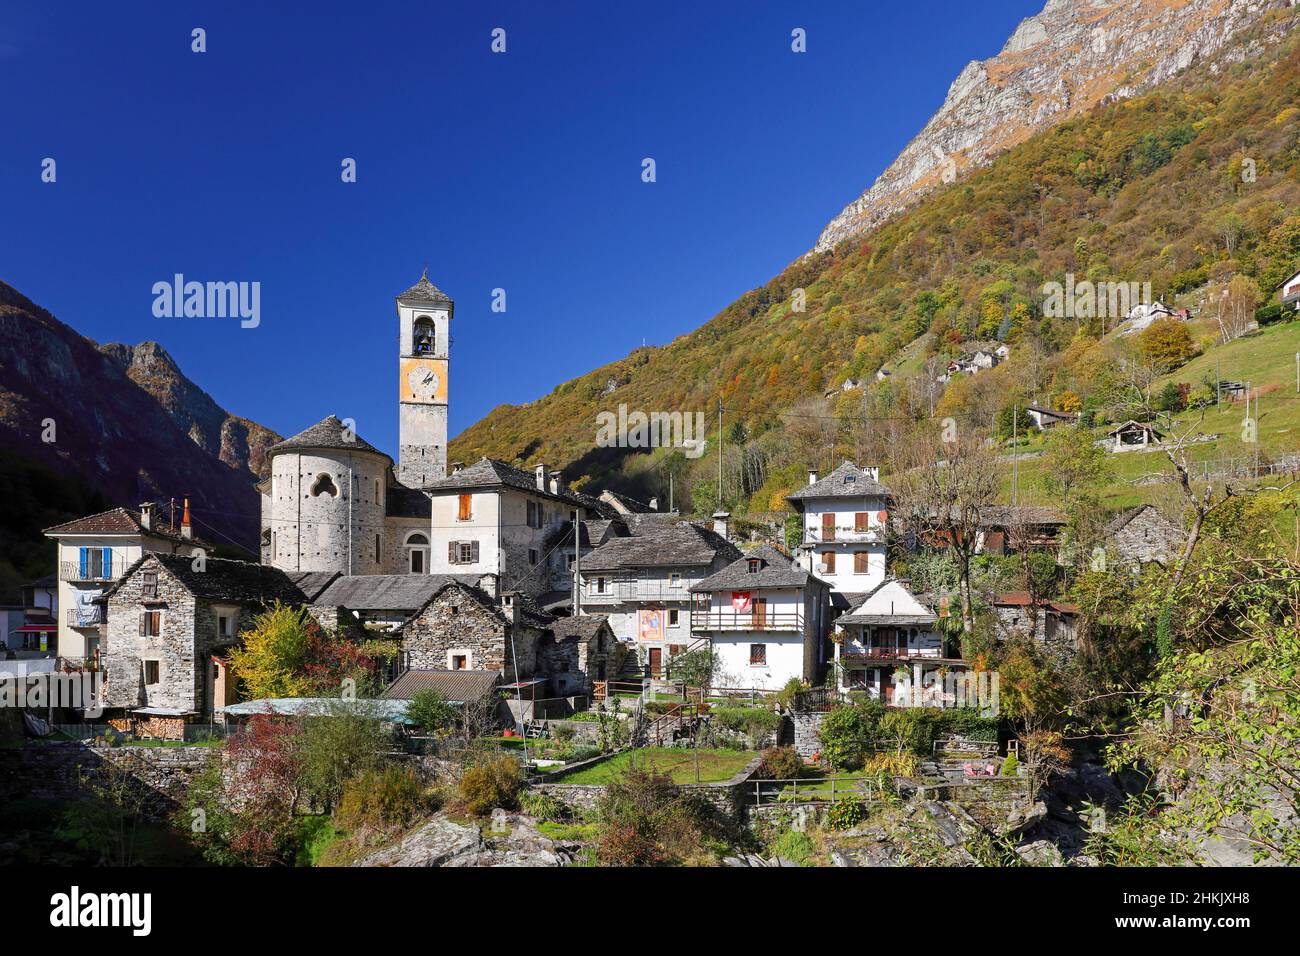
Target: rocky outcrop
point(506, 840)
point(239, 443)
point(1069, 58)
point(72, 407)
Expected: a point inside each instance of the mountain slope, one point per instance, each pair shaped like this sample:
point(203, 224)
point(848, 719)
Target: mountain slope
point(238, 442)
point(1060, 63)
point(1149, 189)
point(67, 405)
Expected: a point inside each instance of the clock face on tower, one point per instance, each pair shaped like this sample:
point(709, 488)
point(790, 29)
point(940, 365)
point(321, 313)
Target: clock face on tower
point(423, 381)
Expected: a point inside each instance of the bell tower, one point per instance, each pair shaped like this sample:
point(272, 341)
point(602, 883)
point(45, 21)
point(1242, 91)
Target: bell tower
point(424, 315)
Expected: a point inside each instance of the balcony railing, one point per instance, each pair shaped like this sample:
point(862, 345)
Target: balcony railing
point(715, 619)
point(107, 571)
point(92, 619)
point(617, 592)
point(848, 535)
point(889, 653)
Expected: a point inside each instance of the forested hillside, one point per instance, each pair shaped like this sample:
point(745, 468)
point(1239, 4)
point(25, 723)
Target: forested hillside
point(1190, 188)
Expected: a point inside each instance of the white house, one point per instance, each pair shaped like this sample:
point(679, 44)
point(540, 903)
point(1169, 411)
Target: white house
point(766, 618)
point(93, 553)
point(1290, 289)
point(845, 523)
point(1045, 418)
point(890, 647)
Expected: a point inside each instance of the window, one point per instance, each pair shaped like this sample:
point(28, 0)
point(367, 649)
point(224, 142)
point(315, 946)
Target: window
point(423, 336)
point(568, 562)
point(828, 559)
point(758, 655)
point(377, 501)
point(674, 580)
point(459, 659)
point(534, 514)
point(96, 563)
point(324, 485)
point(223, 625)
point(376, 549)
point(755, 565)
point(600, 585)
point(151, 669)
point(861, 562)
point(150, 623)
point(149, 584)
point(672, 617)
point(462, 552)
point(860, 522)
point(463, 511)
point(532, 556)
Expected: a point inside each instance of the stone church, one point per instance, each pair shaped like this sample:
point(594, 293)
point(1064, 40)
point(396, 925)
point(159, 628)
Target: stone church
point(334, 503)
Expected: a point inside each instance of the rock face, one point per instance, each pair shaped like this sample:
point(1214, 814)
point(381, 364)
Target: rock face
point(1058, 64)
point(507, 840)
point(131, 442)
point(239, 443)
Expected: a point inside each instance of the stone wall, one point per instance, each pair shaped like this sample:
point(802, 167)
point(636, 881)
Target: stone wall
point(806, 726)
point(125, 649)
point(989, 800)
point(62, 771)
point(1147, 537)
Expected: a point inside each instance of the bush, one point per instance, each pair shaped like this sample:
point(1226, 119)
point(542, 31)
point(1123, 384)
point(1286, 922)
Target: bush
point(756, 723)
point(785, 696)
point(847, 733)
point(490, 783)
point(892, 765)
point(381, 800)
point(793, 846)
point(1010, 766)
point(846, 814)
point(544, 807)
point(782, 763)
point(644, 819)
point(430, 711)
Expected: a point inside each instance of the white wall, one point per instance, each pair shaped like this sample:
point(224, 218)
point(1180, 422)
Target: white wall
point(847, 541)
point(784, 659)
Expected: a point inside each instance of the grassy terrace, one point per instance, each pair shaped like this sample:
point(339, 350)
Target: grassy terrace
point(678, 763)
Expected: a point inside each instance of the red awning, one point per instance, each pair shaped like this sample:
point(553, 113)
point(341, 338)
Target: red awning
point(37, 629)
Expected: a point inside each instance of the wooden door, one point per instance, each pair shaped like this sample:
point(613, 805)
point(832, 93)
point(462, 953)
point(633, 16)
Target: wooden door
point(828, 526)
point(887, 686)
point(760, 613)
point(656, 660)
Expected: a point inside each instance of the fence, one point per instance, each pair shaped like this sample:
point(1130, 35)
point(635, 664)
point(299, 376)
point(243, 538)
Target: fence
point(813, 790)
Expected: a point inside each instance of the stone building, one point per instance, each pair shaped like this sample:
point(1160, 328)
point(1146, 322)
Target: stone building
point(578, 651)
point(461, 628)
point(845, 521)
point(1140, 535)
point(1051, 623)
point(170, 618)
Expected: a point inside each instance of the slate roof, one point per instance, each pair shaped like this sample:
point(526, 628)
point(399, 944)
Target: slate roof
point(455, 686)
point(926, 600)
point(581, 628)
point(222, 579)
point(655, 545)
point(1118, 522)
point(1022, 599)
point(425, 291)
point(312, 583)
point(389, 592)
point(777, 571)
point(846, 481)
point(488, 473)
point(1006, 515)
point(117, 521)
point(327, 433)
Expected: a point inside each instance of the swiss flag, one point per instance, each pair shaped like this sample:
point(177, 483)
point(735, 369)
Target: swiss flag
point(741, 602)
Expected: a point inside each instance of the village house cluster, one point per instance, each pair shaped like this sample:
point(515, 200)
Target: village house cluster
point(489, 577)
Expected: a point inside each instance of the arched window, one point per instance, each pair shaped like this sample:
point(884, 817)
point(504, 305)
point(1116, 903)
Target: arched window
point(324, 485)
point(423, 338)
point(417, 552)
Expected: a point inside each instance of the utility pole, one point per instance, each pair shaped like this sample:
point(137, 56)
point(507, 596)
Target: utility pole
point(1297, 373)
point(1015, 451)
point(577, 564)
point(719, 453)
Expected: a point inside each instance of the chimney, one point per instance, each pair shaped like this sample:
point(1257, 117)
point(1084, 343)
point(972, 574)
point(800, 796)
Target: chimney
point(555, 483)
point(720, 522)
point(541, 477)
point(146, 515)
point(510, 604)
point(654, 504)
point(812, 476)
point(186, 530)
point(456, 467)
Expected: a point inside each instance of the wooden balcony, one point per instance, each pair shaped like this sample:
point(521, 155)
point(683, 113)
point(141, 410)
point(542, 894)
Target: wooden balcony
point(717, 620)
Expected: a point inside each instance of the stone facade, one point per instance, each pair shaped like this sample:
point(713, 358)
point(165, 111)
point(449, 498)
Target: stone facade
point(1142, 536)
point(459, 623)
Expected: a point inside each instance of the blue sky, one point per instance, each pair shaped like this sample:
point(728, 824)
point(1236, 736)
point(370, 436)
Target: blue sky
point(519, 171)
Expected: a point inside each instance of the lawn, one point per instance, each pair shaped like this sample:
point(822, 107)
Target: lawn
point(679, 763)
